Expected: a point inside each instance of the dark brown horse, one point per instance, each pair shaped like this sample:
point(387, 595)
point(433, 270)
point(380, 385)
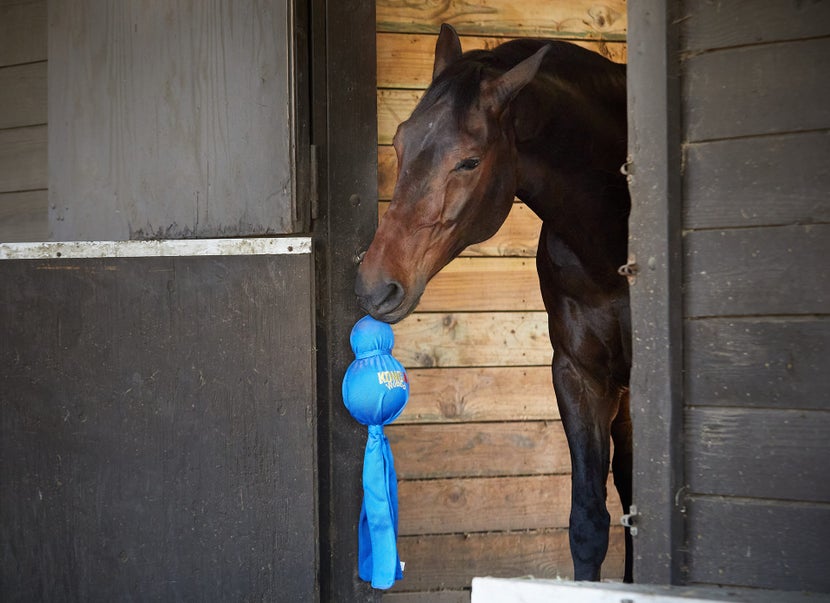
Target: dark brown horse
point(544, 121)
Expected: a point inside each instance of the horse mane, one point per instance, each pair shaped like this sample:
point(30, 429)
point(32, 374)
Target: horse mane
point(565, 65)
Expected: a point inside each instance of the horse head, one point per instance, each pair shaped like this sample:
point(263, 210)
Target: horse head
point(456, 177)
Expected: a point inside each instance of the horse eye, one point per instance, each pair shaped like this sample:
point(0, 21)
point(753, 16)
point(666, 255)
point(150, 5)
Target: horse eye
point(470, 163)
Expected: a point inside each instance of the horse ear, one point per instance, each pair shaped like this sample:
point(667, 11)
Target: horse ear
point(447, 49)
point(499, 92)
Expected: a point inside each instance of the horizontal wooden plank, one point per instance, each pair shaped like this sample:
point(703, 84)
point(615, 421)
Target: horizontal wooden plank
point(394, 106)
point(473, 339)
point(757, 271)
point(765, 544)
point(741, 22)
point(23, 95)
point(452, 561)
point(481, 284)
point(759, 453)
point(23, 29)
point(479, 449)
point(566, 19)
point(784, 91)
point(757, 181)
point(771, 363)
point(467, 505)
point(517, 237)
point(23, 159)
point(24, 216)
point(406, 60)
point(433, 596)
point(453, 395)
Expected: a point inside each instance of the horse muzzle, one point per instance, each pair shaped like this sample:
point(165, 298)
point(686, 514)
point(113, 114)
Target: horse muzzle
point(383, 300)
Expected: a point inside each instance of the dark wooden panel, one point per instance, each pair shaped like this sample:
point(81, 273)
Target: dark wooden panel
point(23, 159)
point(479, 449)
point(451, 561)
point(750, 271)
point(24, 216)
point(741, 22)
point(761, 544)
point(751, 90)
point(760, 363)
point(22, 31)
point(23, 95)
point(171, 123)
point(758, 453)
point(759, 181)
point(156, 429)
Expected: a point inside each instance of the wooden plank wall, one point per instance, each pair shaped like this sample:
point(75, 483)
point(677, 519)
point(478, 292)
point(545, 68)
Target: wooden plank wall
point(23, 163)
point(756, 220)
point(480, 453)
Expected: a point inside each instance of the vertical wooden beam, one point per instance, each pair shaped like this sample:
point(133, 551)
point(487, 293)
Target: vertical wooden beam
point(655, 240)
point(344, 129)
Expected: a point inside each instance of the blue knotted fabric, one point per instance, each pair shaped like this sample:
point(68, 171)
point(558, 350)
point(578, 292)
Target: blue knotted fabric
point(375, 390)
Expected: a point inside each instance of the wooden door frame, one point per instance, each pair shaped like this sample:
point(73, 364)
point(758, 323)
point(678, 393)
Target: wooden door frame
point(344, 132)
point(656, 305)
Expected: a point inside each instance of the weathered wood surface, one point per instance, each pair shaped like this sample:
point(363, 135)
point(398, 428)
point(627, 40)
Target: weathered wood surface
point(406, 60)
point(22, 31)
point(756, 271)
point(466, 505)
point(762, 544)
point(742, 22)
point(577, 19)
point(757, 181)
point(784, 91)
point(24, 216)
point(466, 284)
point(171, 123)
point(451, 561)
point(479, 449)
point(758, 362)
point(520, 393)
point(23, 95)
point(23, 159)
point(473, 339)
point(759, 453)
point(432, 596)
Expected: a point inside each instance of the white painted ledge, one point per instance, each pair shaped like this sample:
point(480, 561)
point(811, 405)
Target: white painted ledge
point(165, 248)
point(527, 590)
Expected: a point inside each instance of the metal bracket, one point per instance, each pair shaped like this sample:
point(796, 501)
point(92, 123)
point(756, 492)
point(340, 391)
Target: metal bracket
point(628, 520)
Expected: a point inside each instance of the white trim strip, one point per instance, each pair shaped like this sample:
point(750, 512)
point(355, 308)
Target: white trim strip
point(141, 249)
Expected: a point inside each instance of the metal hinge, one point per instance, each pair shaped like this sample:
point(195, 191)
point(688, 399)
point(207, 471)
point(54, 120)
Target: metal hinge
point(628, 520)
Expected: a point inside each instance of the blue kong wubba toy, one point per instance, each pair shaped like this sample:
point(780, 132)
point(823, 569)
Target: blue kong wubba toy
point(375, 390)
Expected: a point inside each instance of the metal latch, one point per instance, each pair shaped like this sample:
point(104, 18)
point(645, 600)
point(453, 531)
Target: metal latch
point(628, 520)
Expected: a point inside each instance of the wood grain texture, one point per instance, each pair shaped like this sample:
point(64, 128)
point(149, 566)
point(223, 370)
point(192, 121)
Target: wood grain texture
point(758, 453)
point(23, 159)
point(482, 284)
point(468, 505)
point(567, 19)
point(479, 449)
point(432, 596)
point(22, 32)
point(186, 124)
point(752, 362)
point(757, 181)
point(758, 543)
point(521, 393)
point(406, 60)
point(394, 106)
point(24, 216)
point(742, 22)
point(783, 91)
point(23, 95)
point(757, 271)
point(451, 561)
point(473, 339)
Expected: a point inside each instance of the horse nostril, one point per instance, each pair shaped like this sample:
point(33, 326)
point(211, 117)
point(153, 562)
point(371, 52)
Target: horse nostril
point(393, 296)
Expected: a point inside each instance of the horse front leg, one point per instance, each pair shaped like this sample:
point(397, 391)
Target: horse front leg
point(586, 412)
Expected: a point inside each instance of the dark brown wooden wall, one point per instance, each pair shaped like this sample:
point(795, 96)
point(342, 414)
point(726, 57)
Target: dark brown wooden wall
point(480, 452)
point(756, 291)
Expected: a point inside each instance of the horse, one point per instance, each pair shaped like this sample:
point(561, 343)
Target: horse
point(544, 121)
